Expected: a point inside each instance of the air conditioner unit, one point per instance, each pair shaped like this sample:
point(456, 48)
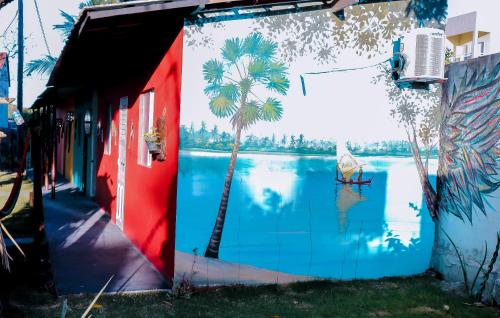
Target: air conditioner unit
point(419, 57)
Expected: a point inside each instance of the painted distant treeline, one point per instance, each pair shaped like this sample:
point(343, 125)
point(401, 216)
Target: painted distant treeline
point(214, 139)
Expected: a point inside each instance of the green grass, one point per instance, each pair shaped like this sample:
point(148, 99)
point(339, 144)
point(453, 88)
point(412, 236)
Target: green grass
point(19, 221)
point(394, 297)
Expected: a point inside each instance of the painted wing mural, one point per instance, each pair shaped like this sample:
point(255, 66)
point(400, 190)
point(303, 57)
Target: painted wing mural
point(470, 137)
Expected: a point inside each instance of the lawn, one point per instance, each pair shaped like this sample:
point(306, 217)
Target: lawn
point(19, 221)
point(393, 297)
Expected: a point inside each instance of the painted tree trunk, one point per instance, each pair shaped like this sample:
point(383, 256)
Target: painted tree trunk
point(215, 239)
point(430, 195)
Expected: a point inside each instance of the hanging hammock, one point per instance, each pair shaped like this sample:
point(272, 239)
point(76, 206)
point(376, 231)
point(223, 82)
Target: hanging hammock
point(16, 188)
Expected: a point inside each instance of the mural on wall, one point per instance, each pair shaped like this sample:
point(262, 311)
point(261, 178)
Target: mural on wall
point(275, 186)
point(469, 237)
point(470, 137)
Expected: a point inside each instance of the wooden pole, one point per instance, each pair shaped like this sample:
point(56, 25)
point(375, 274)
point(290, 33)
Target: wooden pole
point(20, 55)
point(20, 72)
point(45, 146)
point(54, 152)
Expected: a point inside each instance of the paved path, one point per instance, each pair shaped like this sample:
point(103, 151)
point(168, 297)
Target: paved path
point(86, 248)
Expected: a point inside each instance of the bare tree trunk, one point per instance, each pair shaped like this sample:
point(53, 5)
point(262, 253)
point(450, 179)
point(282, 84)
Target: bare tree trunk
point(215, 239)
point(430, 195)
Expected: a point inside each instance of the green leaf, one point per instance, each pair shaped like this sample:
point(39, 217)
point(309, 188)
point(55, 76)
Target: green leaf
point(252, 43)
point(245, 85)
point(277, 69)
point(213, 71)
point(267, 49)
point(258, 69)
point(232, 50)
point(66, 27)
point(43, 66)
point(279, 84)
point(221, 106)
point(271, 110)
point(248, 114)
point(212, 89)
point(257, 47)
point(230, 91)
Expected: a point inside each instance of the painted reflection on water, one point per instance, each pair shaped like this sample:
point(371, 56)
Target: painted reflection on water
point(288, 214)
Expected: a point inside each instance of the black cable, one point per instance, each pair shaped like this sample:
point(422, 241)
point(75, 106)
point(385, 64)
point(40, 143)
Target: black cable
point(10, 24)
point(41, 27)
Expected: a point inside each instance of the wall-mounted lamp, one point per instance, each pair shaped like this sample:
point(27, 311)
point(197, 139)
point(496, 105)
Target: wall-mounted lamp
point(70, 116)
point(87, 121)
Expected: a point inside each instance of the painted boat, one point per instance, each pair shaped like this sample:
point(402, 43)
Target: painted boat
point(354, 182)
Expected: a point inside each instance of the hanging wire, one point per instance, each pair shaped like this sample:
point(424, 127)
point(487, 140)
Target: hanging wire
point(334, 70)
point(42, 28)
point(9, 25)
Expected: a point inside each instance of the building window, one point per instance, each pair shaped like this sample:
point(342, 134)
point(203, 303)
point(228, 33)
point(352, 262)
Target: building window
point(481, 48)
point(146, 109)
point(109, 125)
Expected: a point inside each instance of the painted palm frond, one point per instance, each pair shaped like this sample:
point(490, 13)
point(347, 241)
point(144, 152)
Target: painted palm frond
point(222, 107)
point(271, 110)
point(213, 71)
point(258, 70)
point(232, 50)
point(470, 140)
point(230, 91)
point(247, 115)
point(278, 84)
point(42, 66)
point(257, 47)
point(212, 89)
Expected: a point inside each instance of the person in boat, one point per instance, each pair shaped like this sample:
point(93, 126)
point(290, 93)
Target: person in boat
point(360, 174)
point(337, 174)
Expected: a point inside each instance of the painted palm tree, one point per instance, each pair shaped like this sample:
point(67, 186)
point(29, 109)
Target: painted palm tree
point(248, 68)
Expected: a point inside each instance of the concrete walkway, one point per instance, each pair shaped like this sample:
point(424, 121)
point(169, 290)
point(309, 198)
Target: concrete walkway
point(86, 248)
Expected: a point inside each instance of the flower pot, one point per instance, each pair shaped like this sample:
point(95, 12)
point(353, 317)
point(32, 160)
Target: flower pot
point(152, 147)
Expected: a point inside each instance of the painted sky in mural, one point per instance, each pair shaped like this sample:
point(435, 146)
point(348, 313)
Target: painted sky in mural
point(367, 104)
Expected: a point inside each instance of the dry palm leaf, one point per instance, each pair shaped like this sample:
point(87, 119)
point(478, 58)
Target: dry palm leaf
point(12, 239)
point(89, 308)
point(4, 255)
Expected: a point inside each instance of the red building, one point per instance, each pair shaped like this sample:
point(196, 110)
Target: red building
point(118, 77)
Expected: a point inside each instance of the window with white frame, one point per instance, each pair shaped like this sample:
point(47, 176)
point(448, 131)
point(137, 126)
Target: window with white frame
point(146, 109)
point(109, 127)
point(482, 48)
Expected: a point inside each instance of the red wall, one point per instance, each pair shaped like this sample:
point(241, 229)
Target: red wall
point(150, 192)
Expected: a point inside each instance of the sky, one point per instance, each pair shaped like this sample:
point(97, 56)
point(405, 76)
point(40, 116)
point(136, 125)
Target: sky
point(49, 10)
point(35, 47)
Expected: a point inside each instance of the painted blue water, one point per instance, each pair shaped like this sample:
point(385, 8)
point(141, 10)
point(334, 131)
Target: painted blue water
point(287, 214)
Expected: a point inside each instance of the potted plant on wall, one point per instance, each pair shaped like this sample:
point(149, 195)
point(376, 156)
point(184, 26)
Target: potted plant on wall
point(152, 140)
